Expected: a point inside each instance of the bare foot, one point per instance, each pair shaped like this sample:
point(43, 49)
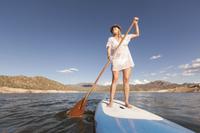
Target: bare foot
point(128, 105)
point(110, 104)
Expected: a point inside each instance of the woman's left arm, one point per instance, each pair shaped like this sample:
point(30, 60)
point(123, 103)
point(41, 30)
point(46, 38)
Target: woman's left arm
point(136, 27)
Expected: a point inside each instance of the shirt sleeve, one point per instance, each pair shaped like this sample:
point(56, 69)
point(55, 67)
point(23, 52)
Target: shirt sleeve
point(109, 43)
point(128, 38)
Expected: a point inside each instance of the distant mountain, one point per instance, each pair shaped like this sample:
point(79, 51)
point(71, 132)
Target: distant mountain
point(158, 85)
point(155, 86)
point(37, 82)
point(42, 83)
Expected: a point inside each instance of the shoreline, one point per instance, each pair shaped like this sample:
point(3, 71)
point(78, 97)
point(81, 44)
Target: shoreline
point(5, 90)
point(8, 90)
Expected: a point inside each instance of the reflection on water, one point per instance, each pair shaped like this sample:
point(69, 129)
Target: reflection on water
point(41, 113)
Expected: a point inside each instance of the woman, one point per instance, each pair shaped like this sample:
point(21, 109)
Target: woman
point(121, 60)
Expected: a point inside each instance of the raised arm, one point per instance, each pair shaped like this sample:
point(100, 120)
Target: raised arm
point(136, 27)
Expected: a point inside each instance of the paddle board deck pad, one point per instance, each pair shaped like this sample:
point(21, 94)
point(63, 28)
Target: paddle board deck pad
point(120, 119)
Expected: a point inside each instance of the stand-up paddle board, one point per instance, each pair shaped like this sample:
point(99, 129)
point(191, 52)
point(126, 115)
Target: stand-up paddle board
point(120, 119)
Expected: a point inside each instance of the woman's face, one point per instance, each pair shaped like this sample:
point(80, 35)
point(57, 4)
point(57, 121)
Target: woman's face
point(116, 31)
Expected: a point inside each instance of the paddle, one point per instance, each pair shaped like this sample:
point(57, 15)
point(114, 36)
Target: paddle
point(78, 109)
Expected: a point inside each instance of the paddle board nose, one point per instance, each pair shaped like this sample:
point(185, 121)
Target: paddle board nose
point(120, 119)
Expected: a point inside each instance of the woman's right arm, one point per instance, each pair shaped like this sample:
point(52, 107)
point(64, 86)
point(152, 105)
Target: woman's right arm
point(108, 47)
point(108, 52)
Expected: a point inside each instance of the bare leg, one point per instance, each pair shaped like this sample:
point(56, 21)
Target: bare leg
point(115, 75)
point(126, 76)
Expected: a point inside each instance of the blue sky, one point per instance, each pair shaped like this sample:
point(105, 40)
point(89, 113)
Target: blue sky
point(65, 40)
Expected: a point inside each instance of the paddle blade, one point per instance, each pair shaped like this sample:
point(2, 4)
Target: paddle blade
point(78, 109)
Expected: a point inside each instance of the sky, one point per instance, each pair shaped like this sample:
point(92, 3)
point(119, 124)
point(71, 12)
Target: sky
point(65, 40)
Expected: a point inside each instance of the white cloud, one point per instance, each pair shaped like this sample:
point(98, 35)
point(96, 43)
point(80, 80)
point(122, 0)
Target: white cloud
point(155, 57)
point(186, 73)
point(192, 68)
point(137, 81)
point(184, 66)
point(74, 69)
point(165, 73)
point(107, 83)
point(70, 70)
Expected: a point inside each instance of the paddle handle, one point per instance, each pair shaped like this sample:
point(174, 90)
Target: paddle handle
point(108, 62)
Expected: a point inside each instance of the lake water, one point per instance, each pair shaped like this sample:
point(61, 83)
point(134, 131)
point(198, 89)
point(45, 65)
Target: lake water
point(41, 113)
